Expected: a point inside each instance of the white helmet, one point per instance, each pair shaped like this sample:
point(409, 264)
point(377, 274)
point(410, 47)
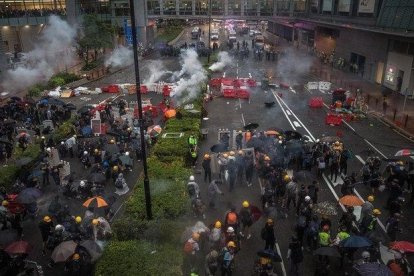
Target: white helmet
point(59, 227)
point(366, 255)
point(48, 149)
point(307, 198)
point(230, 229)
point(62, 143)
point(127, 153)
point(82, 183)
point(85, 152)
point(192, 178)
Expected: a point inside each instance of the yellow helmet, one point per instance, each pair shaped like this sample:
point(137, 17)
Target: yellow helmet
point(245, 204)
point(112, 141)
point(231, 244)
point(76, 256)
point(337, 143)
point(217, 224)
point(225, 155)
point(286, 178)
point(232, 153)
point(206, 156)
point(47, 219)
point(376, 212)
point(115, 168)
point(95, 222)
point(195, 236)
point(4, 203)
point(240, 152)
point(96, 150)
point(269, 221)
point(78, 219)
point(370, 198)
point(267, 158)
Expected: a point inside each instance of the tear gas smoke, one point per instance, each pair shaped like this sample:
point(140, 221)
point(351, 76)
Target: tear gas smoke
point(53, 49)
point(191, 76)
point(120, 57)
point(224, 59)
point(291, 65)
point(156, 70)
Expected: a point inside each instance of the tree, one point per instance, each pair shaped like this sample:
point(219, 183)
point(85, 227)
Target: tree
point(97, 35)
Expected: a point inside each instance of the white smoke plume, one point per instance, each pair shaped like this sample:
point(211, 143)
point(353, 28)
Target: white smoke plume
point(191, 76)
point(291, 65)
point(156, 70)
point(120, 57)
point(53, 50)
point(224, 59)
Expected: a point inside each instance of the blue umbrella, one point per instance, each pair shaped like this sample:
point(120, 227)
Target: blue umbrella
point(373, 269)
point(356, 242)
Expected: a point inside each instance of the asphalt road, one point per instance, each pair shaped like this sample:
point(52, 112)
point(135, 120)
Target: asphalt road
point(365, 138)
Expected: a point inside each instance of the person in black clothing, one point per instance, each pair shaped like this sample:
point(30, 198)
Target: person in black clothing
point(295, 255)
point(313, 190)
point(268, 235)
point(347, 219)
point(46, 228)
point(207, 167)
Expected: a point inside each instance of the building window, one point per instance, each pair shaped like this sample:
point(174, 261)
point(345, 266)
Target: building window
point(217, 7)
point(153, 7)
point(250, 7)
point(201, 7)
point(266, 7)
point(234, 7)
point(186, 7)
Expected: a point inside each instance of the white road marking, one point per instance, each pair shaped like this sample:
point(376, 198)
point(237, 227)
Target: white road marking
point(287, 108)
point(323, 92)
point(240, 103)
point(296, 124)
point(224, 74)
point(250, 75)
point(339, 181)
point(281, 263)
point(242, 116)
point(288, 112)
point(348, 125)
point(284, 112)
point(360, 159)
point(292, 90)
point(377, 150)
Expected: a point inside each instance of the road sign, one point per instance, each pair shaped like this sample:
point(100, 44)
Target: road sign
point(128, 32)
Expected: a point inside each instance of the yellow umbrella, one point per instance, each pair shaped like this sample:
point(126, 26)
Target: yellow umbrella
point(97, 200)
point(351, 200)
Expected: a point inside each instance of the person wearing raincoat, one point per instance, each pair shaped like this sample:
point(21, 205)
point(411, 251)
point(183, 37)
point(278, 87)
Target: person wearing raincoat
point(121, 185)
point(213, 190)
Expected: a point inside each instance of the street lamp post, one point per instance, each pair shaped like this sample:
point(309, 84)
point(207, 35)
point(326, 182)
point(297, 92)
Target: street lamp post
point(209, 31)
point(139, 101)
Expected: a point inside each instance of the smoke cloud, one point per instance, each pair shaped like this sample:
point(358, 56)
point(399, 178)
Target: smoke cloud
point(291, 65)
point(120, 57)
point(156, 70)
point(192, 74)
point(224, 59)
point(53, 50)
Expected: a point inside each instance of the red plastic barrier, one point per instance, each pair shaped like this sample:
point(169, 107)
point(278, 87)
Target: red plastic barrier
point(166, 91)
point(284, 85)
point(143, 89)
point(229, 93)
point(242, 94)
point(251, 83)
point(316, 102)
point(112, 89)
point(215, 82)
point(333, 119)
point(238, 82)
point(227, 81)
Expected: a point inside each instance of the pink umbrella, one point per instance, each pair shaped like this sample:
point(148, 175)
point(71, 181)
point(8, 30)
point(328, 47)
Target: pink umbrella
point(404, 152)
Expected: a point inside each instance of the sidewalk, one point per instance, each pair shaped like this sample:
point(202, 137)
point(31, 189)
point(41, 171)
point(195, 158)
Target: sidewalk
point(394, 115)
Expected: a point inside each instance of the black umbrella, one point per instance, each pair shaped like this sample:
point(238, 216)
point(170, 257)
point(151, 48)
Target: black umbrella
point(269, 104)
point(255, 143)
point(327, 251)
point(54, 101)
point(251, 126)
point(28, 195)
point(8, 236)
point(15, 98)
point(85, 109)
point(292, 135)
point(94, 250)
point(218, 148)
point(373, 269)
point(270, 254)
point(96, 177)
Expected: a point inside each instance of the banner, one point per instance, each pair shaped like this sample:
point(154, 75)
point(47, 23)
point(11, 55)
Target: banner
point(366, 6)
point(128, 32)
point(327, 5)
point(344, 5)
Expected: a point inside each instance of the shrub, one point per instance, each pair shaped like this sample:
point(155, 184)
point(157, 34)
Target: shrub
point(37, 90)
point(8, 175)
point(65, 130)
point(139, 258)
point(56, 81)
point(68, 77)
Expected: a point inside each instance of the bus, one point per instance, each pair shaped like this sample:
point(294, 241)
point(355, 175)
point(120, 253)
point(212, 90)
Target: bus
point(259, 42)
point(195, 33)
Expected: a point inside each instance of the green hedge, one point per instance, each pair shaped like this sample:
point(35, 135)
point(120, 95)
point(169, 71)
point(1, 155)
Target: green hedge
point(59, 79)
point(139, 258)
point(142, 247)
